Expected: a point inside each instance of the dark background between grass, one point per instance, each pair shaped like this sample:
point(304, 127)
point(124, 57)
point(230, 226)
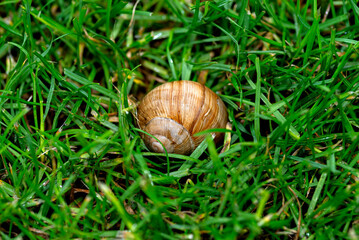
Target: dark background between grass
point(72, 163)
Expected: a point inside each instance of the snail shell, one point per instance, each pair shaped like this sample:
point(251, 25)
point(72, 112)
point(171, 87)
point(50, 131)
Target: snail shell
point(175, 111)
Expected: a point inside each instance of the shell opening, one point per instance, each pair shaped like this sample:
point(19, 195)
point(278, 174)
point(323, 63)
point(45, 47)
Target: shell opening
point(174, 137)
point(157, 147)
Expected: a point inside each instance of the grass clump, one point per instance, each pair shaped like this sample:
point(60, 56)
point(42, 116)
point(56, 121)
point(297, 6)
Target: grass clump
point(73, 164)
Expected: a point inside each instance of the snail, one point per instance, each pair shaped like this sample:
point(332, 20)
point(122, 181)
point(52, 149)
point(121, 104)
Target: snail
point(173, 112)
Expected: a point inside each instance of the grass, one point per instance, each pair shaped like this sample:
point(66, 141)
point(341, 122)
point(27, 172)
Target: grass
point(73, 164)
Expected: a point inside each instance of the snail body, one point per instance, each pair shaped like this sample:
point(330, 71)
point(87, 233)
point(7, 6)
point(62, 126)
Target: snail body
point(175, 111)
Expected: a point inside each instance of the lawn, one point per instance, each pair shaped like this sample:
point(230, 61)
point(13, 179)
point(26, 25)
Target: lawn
point(73, 164)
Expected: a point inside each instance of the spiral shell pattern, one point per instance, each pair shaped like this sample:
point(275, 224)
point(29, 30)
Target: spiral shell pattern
point(175, 111)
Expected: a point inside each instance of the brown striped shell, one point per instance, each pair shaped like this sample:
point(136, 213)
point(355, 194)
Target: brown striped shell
point(175, 111)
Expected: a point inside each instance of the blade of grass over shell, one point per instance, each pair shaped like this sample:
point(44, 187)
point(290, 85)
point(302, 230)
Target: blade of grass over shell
point(166, 153)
